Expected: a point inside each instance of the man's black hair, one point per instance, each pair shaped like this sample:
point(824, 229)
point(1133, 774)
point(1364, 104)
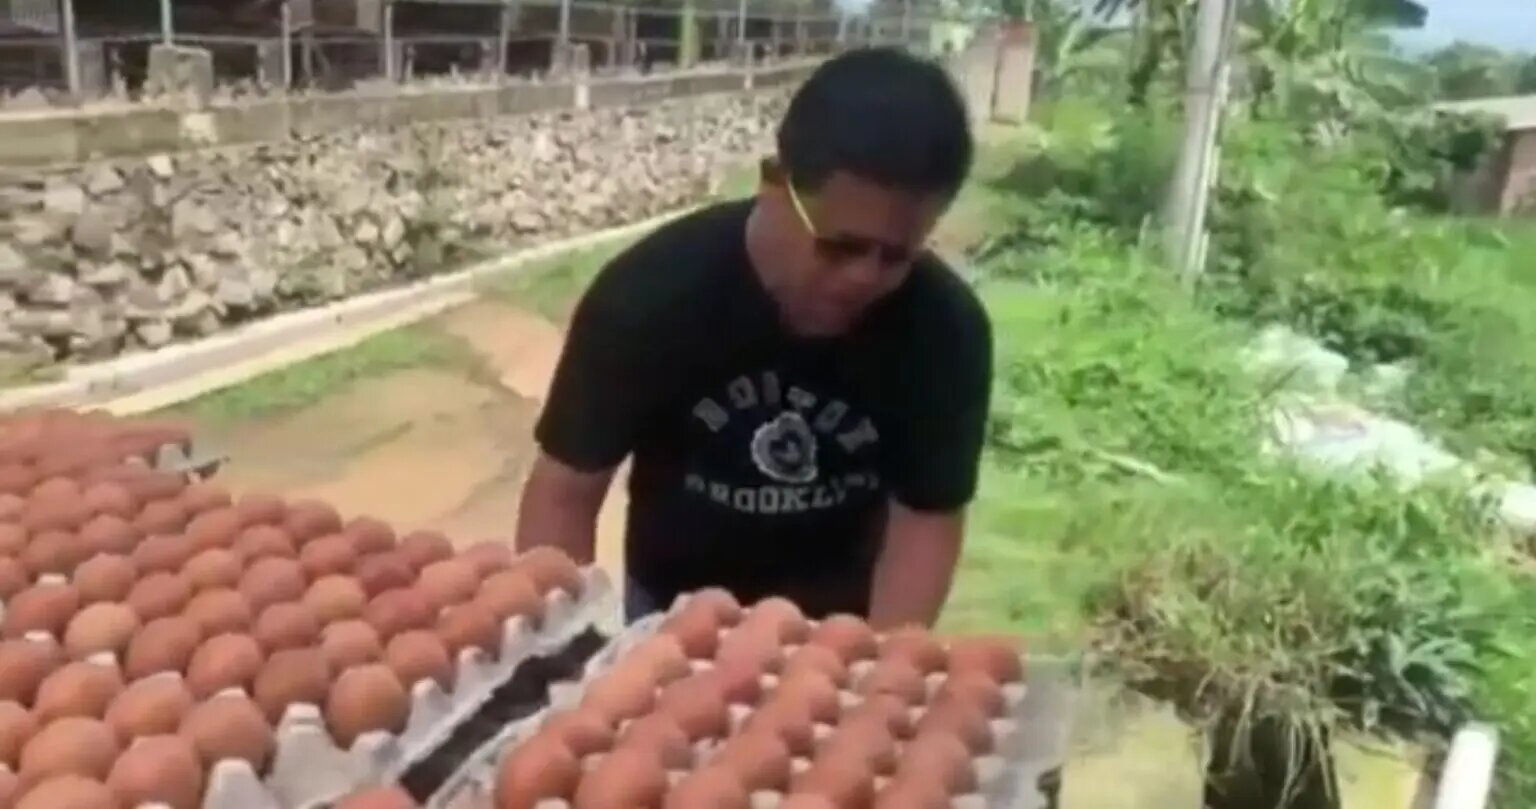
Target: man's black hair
point(880, 114)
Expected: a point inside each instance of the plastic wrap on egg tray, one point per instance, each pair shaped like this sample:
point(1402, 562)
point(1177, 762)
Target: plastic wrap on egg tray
point(1022, 772)
point(308, 769)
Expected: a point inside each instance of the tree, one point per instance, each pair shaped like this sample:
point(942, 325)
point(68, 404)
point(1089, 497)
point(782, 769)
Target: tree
point(1467, 70)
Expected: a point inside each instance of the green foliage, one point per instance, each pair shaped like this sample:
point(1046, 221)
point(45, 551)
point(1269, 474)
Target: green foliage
point(1467, 70)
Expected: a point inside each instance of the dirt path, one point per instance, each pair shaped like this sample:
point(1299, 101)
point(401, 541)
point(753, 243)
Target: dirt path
point(436, 448)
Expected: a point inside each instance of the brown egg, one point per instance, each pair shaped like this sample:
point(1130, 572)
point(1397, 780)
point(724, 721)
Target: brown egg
point(533, 771)
point(807, 800)
point(961, 720)
point(369, 535)
point(16, 478)
point(77, 688)
point(100, 627)
point(911, 793)
point(759, 759)
point(350, 643)
point(161, 769)
point(204, 496)
point(272, 580)
point(709, 788)
point(847, 635)
point(56, 488)
point(226, 660)
point(165, 552)
point(895, 677)
point(55, 513)
point(24, 664)
point(311, 519)
point(108, 533)
point(465, 626)
point(750, 648)
point(213, 568)
point(820, 659)
point(422, 548)
point(628, 778)
point(55, 552)
point(260, 508)
point(740, 681)
point(333, 598)
point(844, 778)
point(659, 735)
point(11, 506)
point(365, 698)
point(870, 741)
point(378, 798)
point(73, 745)
point(384, 571)
point(264, 541)
point(111, 498)
point(490, 557)
point(582, 730)
point(1000, 658)
point(975, 688)
point(698, 706)
point(161, 517)
point(13, 539)
point(941, 759)
point(164, 644)
point(105, 577)
point(621, 694)
point(394, 611)
point(14, 578)
point(916, 646)
point(780, 617)
point(150, 487)
point(149, 707)
point(219, 610)
point(287, 625)
point(662, 657)
point(67, 792)
point(419, 654)
point(291, 676)
point(17, 726)
point(328, 555)
point(10, 789)
point(160, 595)
point(789, 721)
point(889, 709)
point(218, 528)
point(696, 627)
point(550, 568)
point(40, 608)
point(509, 593)
point(813, 690)
point(228, 726)
point(449, 582)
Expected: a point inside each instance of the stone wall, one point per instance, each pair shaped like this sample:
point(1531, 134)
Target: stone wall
point(109, 257)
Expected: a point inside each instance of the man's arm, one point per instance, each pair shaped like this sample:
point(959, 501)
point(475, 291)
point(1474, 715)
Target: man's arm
point(931, 457)
point(916, 566)
point(559, 508)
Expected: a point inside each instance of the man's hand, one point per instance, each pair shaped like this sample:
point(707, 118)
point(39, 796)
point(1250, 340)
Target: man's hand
point(559, 508)
point(916, 567)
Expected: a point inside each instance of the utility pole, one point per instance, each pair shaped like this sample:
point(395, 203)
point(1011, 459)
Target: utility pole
point(167, 33)
point(71, 47)
point(1185, 209)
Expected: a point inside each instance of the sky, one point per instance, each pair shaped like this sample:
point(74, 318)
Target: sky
point(1507, 24)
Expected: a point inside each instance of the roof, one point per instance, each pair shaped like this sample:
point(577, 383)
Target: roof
point(1518, 112)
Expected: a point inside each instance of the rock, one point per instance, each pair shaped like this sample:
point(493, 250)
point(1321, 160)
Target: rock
point(14, 268)
point(366, 233)
point(235, 293)
point(43, 322)
point(51, 289)
point(102, 179)
point(161, 166)
point(34, 230)
point(109, 274)
point(191, 219)
point(153, 333)
point(203, 270)
point(64, 199)
point(228, 244)
point(92, 232)
point(174, 283)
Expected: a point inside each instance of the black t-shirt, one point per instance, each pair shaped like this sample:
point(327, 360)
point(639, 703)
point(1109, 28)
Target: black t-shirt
point(763, 462)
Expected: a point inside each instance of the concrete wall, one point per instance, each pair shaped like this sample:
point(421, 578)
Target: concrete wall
point(1519, 188)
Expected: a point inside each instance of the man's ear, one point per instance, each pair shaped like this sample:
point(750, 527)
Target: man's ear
point(771, 172)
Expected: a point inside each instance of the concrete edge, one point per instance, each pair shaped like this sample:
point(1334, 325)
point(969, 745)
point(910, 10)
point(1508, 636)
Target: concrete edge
point(184, 371)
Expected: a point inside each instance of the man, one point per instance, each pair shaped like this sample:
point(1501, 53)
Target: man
point(803, 388)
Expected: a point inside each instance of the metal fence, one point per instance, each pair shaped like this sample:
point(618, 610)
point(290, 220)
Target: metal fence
point(81, 49)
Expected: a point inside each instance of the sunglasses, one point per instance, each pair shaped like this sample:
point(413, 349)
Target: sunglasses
point(842, 248)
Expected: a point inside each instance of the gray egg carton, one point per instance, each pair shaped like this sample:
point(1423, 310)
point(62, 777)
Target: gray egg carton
point(1022, 772)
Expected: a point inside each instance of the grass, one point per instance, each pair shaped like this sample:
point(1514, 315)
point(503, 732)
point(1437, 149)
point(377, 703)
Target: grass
point(309, 382)
point(552, 287)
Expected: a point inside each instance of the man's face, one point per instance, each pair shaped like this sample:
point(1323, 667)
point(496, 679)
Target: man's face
point(837, 251)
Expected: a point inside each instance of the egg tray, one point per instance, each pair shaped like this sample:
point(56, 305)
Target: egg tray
point(1023, 771)
point(308, 769)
